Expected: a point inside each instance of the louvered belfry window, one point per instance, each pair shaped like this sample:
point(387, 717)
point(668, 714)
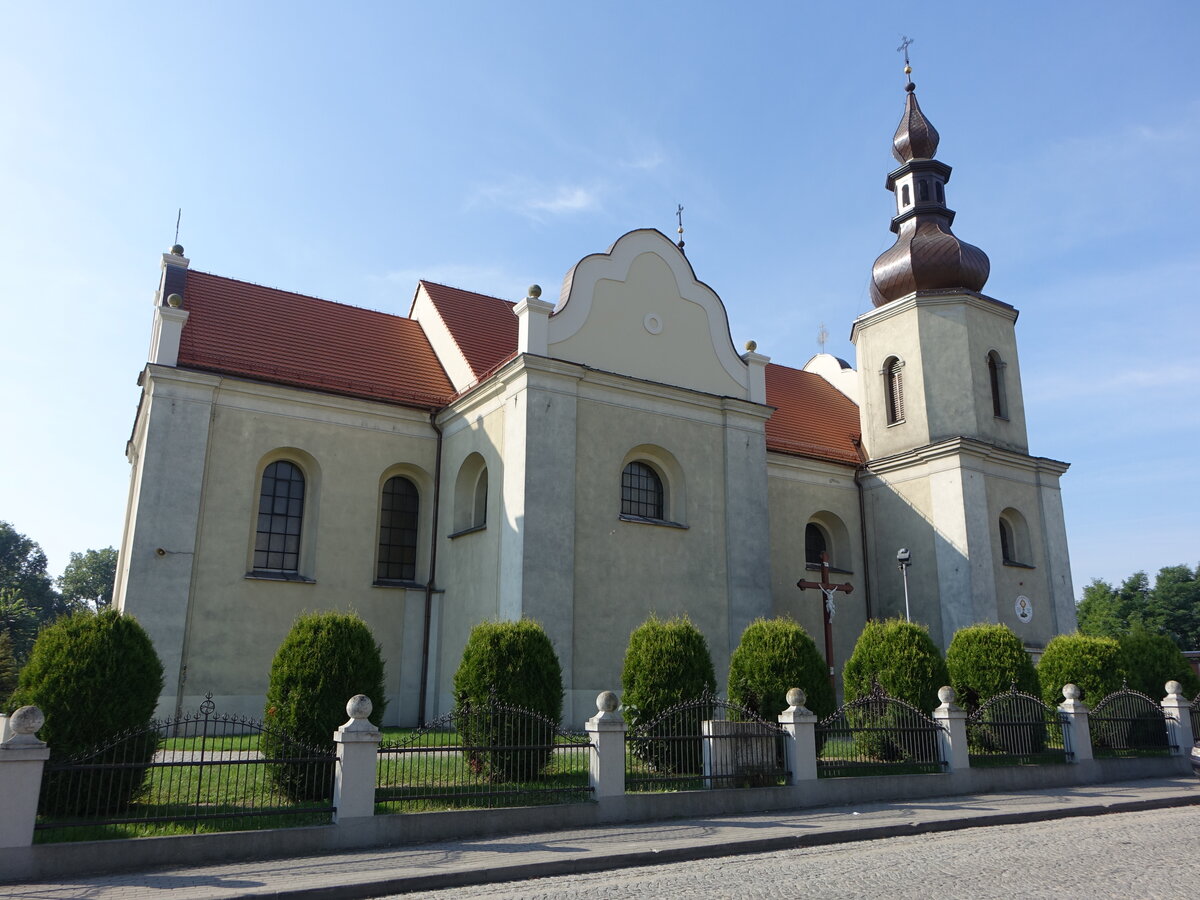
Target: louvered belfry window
point(280, 513)
point(398, 531)
point(895, 390)
point(641, 492)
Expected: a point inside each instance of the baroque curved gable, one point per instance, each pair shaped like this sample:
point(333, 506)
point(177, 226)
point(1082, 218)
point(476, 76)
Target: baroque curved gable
point(639, 310)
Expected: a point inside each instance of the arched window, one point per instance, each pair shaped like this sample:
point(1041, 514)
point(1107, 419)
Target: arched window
point(398, 510)
point(941, 192)
point(923, 189)
point(893, 387)
point(280, 514)
point(904, 195)
point(1015, 549)
point(471, 495)
point(1007, 552)
point(996, 378)
point(815, 543)
point(641, 492)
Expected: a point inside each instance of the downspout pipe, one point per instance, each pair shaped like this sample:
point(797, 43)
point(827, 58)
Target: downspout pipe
point(429, 582)
point(859, 472)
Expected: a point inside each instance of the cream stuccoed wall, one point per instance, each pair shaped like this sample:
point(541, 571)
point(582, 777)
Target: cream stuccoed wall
point(803, 491)
point(943, 339)
point(230, 624)
point(944, 503)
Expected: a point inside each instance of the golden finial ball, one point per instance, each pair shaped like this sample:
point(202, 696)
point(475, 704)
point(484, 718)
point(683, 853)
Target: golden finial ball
point(908, 70)
point(751, 346)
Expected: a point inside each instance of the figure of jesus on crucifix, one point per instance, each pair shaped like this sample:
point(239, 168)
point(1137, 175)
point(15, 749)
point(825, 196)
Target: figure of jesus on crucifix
point(828, 590)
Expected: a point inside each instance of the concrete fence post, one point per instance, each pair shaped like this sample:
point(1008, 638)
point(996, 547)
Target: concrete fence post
point(22, 757)
point(1077, 731)
point(954, 736)
point(357, 757)
point(801, 726)
point(606, 731)
point(1178, 710)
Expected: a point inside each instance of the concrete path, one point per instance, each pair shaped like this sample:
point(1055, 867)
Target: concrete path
point(374, 873)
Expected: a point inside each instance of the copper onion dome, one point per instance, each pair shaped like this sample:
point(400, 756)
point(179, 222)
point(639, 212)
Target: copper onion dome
point(926, 256)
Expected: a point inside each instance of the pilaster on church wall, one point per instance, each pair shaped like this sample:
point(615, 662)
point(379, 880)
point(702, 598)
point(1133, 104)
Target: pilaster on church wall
point(160, 539)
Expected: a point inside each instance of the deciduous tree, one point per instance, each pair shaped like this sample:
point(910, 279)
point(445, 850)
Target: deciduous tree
point(89, 577)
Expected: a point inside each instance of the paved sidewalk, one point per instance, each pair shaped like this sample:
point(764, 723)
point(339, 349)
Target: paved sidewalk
point(372, 873)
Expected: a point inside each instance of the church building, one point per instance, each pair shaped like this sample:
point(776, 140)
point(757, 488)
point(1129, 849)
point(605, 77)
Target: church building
point(583, 462)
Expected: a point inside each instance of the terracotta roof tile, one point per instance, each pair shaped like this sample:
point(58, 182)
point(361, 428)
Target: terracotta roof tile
point(238, 328)
point(484, 327)
point(812, 418)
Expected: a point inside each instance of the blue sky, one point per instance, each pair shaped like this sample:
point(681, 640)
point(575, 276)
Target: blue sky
point(345, 151)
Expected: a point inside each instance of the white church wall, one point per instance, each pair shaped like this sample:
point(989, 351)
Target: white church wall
point(803, 491)
point(234, 622)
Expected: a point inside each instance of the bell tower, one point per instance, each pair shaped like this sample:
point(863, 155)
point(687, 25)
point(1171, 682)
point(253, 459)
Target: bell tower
point(943, 423)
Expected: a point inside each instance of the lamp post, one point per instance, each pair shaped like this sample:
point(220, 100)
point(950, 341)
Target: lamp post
point(904, 560)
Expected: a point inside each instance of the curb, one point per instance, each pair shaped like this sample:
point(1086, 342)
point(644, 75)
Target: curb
point(597, 862)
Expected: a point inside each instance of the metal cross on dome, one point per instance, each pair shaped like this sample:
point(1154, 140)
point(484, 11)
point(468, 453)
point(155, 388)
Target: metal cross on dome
point(828, 590)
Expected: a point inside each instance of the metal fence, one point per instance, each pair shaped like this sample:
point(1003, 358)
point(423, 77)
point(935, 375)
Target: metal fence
point(1128, 723)
point(483, 755)
point(879, 735)
point(1196, 718)
point(705, 743)
point(1015, 728)
point(198, 772)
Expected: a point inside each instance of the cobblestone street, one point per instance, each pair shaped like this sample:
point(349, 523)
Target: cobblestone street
point(1137, 855)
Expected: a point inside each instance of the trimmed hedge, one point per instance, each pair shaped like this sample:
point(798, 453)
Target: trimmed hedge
point(1092, 663)
point(773, 656)
point(510, 663)
point(325, 659)
point(1150, 660)
point(902, 657)
point(97, 679)
point(666, 663)
point(984, 660)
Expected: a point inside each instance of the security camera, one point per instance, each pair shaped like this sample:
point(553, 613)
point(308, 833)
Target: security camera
point(903, 556)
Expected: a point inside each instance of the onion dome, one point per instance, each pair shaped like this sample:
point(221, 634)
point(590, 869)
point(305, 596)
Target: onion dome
point(926, 256)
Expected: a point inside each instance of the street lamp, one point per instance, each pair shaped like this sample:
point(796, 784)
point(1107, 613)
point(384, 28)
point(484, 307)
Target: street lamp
point(904, 559)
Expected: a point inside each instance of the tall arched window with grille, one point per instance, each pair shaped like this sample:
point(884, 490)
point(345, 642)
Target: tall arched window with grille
point(398, 515)
point(280, 515)
point(641, 492)
point(893, 387)
point(815, 543)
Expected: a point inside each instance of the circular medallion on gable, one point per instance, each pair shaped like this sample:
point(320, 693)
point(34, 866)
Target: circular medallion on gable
point(653, 323)
point(1024, 609)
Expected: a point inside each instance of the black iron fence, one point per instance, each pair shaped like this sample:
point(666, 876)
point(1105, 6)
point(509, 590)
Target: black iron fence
point(483, 755)
point(1016, 728)
point(1195, 710)
point(198, 772)
point(705, 743)
point(879, 735)
point(1128, 723)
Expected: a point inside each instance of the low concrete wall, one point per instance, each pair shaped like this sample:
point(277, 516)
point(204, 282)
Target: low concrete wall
point(59, 860)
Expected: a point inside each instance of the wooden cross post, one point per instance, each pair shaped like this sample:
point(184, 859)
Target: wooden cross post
point(827, 590)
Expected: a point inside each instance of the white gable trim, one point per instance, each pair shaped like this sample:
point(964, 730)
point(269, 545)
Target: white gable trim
point(579, 287)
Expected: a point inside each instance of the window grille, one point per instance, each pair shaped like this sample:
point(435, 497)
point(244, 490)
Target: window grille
point(280, 513)
point(895, 391)
point(641, 492)
point(398, 531)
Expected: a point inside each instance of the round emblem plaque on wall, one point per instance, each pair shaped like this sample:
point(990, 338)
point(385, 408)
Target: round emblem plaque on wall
point(1024, 608)
point(653, 323)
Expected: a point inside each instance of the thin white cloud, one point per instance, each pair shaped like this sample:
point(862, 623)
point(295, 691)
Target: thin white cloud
point(538, 200)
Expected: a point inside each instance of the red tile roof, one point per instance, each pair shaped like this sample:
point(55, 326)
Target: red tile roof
point(238, 328)
point(812, 418)
point(484, 327)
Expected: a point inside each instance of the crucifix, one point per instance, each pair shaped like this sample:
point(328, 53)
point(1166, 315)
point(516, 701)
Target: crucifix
point(828, 590)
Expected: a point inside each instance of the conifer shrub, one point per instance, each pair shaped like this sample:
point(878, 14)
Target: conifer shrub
point(985, 660)
point(1150, 660)
point(1092, 663)
point(904, 661)
point(667, 663)
point(325, 659)
point(510, 664)
point(97, 679)
point(773, 656)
